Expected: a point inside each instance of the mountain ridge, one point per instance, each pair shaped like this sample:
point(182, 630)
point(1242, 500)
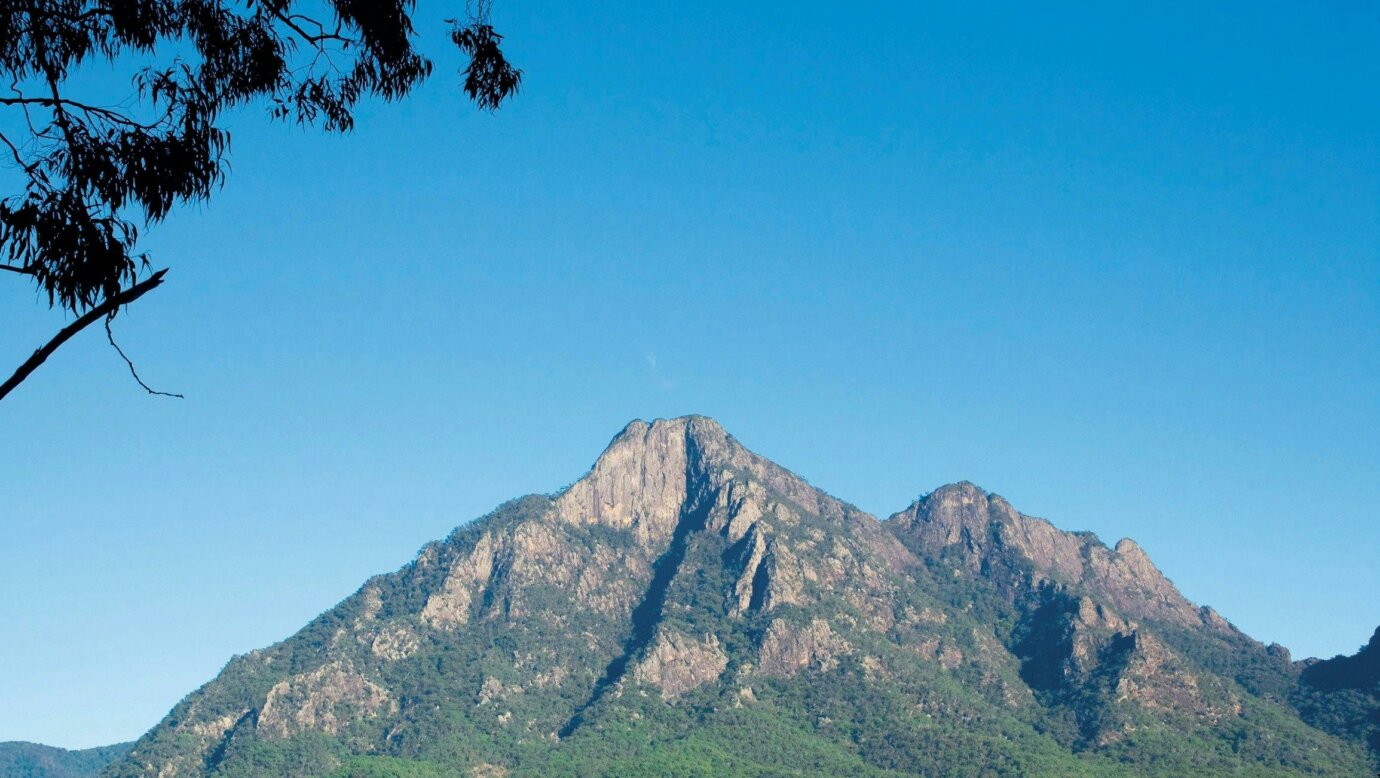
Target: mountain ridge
point(23, 759)
point(689, 603)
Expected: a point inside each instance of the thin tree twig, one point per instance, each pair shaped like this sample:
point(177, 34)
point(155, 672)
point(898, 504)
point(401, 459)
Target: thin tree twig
point(60, 103)
point(109, 305)
point(110, 336)
point(18, 158)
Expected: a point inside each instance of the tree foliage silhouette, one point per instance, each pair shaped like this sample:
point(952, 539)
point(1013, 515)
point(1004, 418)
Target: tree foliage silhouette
point(92, 173)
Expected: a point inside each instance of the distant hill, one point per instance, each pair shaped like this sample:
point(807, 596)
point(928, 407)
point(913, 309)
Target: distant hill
point(31, 760)
point(689, 608)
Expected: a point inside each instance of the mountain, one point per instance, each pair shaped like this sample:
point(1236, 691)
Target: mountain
point(1342, 695)
point(690, 608)
point(31, 760)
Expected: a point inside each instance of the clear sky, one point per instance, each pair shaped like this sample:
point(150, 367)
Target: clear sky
point(1118, 262)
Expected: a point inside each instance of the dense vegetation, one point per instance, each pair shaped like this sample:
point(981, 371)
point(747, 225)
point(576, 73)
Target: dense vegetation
point(31, 760)
point(1342, 695)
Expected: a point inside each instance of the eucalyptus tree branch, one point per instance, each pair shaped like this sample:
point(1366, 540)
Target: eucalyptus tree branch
point(107, 307)
point(112, 116)
point(291, 21)
point(18, 158)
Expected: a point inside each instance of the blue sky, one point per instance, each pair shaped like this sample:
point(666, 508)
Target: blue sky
point(1118, 263)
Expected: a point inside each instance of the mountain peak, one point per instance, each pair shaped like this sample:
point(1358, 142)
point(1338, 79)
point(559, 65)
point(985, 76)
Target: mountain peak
point(643, 478)
point(990, 535)
point(639, 480)
point(689, 424)
point(650, 470)
point(699, 432)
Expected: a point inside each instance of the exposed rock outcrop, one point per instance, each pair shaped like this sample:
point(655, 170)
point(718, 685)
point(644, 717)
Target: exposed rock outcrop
point(788, 649)
point(678, 664)
point(993, 538)
point(327, 699)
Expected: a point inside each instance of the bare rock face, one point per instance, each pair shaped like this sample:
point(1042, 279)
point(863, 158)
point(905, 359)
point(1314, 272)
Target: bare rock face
point(393, 642)
point(638, 483)
point(788, 649)
point(948, 655)
point(1080, 653)
point(327, 700)
point(990, 533)
point(785, 578)
point(752, 579)
point(1157, 679)
point(450, 607)
point(677, 664)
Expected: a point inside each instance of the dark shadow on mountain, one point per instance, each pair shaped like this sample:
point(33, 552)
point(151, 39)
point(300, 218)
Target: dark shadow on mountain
point(647, 614)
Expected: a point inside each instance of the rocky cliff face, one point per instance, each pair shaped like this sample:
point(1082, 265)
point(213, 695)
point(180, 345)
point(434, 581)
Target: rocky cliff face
point(992, 538)
point(690, 603)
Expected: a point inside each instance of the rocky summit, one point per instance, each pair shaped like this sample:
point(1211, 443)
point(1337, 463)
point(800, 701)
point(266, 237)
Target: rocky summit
point(690, 608)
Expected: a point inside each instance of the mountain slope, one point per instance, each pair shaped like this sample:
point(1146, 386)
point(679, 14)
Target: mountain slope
point(31, 760)
point(1119, 659)
point(690, 608)
point(1342, 695)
